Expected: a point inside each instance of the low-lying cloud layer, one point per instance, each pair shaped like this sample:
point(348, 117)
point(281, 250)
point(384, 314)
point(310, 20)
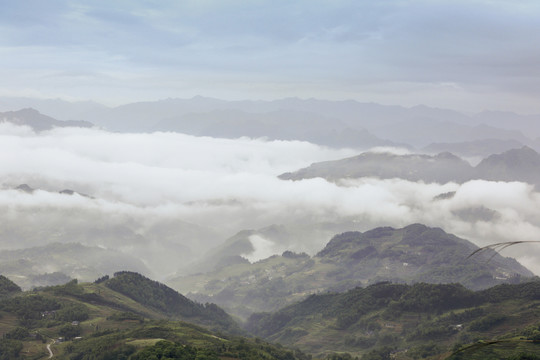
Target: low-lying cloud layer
point(168, 197)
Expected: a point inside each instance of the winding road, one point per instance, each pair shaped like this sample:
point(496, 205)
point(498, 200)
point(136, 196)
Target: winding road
point(49, 348)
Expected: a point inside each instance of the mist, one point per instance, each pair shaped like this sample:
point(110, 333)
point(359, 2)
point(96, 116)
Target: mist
point(168, 198)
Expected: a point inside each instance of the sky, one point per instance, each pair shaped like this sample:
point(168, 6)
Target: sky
point(466, 55)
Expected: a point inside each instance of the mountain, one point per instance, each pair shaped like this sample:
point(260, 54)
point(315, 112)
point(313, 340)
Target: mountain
point(411, 254)
point(513, 165)
point(93, 321)
point(516, 164)
point(397, 321)
point(37, 121)
point(443, 167)
point(57, 263)
point(275, 125)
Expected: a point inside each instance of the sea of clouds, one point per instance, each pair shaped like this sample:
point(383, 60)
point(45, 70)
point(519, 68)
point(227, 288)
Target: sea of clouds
point(139, 181)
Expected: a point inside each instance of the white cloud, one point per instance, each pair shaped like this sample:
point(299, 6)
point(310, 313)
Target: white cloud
point(263, 248)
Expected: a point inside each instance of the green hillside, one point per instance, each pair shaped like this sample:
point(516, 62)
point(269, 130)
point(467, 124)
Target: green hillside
point(410, 322)
point(155, 295)
point(93, 321)
point(415, 253)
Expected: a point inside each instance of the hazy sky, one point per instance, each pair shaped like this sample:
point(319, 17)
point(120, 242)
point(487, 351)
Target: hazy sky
point(468, 55)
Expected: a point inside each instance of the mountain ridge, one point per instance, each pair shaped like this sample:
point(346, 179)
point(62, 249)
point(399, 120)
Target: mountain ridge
point(380, 120)
point(410, 254)
point(512, 165)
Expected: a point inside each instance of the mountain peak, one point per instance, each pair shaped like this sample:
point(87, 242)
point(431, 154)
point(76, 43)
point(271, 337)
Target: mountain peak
point(515, 164)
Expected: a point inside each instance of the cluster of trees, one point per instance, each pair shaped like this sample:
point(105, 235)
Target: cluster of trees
point(69, 331)
point(72, 312)
point(170, 350)
point(100, 346)
point(122, 316)
point(19, 333)
point(70, 288)
point(487, 322)
point(10, 349)
point(31, 307)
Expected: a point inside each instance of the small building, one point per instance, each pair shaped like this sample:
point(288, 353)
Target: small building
point(48, 314)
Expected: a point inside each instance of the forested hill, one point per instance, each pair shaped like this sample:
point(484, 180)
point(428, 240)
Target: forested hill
point(410, 321)
point(160, 297)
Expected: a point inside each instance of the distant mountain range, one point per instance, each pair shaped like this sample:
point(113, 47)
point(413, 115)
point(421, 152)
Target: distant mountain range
point(332, 123)
point(411, 254)
point(513, 165)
